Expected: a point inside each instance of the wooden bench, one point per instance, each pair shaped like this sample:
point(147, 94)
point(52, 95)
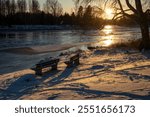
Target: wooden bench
point(73, 60)
point(51, 62)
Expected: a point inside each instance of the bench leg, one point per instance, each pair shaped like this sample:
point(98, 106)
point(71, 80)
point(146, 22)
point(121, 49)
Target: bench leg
point(77, 62)
point(54, 67)
point(38, 72)
point(70, 64)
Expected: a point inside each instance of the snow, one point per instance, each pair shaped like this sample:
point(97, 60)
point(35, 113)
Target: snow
point(32, 50)
point(104, 73)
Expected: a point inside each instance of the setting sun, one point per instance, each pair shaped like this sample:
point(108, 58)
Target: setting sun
point(108, 13)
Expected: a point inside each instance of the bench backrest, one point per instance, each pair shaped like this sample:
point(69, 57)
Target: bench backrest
point(74, 57)
point(47, 63)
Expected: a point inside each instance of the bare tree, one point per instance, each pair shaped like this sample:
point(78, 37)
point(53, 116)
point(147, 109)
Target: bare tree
point(34, 6)
point(139, 15)
point(13, 7)
point(1, 8)
point(77, 5)
point(137, 11)
point(22, 6)
point(7, 6)
point(30, 6)
point(80, 12)
point(98, 6)
point(53, 7)
point(84, 3)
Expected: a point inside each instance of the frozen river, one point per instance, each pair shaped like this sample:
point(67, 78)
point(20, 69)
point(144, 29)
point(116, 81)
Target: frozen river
point(52, 42)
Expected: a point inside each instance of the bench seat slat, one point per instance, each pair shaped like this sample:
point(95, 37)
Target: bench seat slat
point(44, 64)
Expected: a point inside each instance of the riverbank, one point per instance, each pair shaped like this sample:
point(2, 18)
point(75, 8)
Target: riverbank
point(104, 73)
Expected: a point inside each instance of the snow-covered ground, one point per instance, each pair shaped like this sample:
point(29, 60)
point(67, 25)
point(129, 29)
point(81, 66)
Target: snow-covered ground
point(103, 74)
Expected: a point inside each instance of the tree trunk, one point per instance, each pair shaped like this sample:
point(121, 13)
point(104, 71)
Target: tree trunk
point(145, 44)
point(143, 21)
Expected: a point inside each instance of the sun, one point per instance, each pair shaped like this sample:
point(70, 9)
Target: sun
point(108, 13)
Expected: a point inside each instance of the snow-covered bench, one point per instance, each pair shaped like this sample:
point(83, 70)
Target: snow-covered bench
point(51, 62)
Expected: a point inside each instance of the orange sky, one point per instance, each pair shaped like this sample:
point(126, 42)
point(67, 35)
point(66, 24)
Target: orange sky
point(67, 4)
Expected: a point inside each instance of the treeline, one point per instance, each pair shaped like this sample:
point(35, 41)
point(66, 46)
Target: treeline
point(22, 12)
point(85, 18)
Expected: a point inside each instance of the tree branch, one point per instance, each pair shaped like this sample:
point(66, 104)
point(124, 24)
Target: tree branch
point(134, 17)
point(131, 7)
point(139, 7)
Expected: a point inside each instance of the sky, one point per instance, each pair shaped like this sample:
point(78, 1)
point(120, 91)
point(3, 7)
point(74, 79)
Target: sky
point(66, 4)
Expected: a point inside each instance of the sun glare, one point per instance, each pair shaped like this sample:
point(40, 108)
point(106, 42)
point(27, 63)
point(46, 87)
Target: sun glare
point(108, 13)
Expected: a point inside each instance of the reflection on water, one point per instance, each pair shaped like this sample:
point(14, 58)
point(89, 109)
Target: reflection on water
point(108, 42)
point(108, 29)
point(105, 37)
point(108, 39)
